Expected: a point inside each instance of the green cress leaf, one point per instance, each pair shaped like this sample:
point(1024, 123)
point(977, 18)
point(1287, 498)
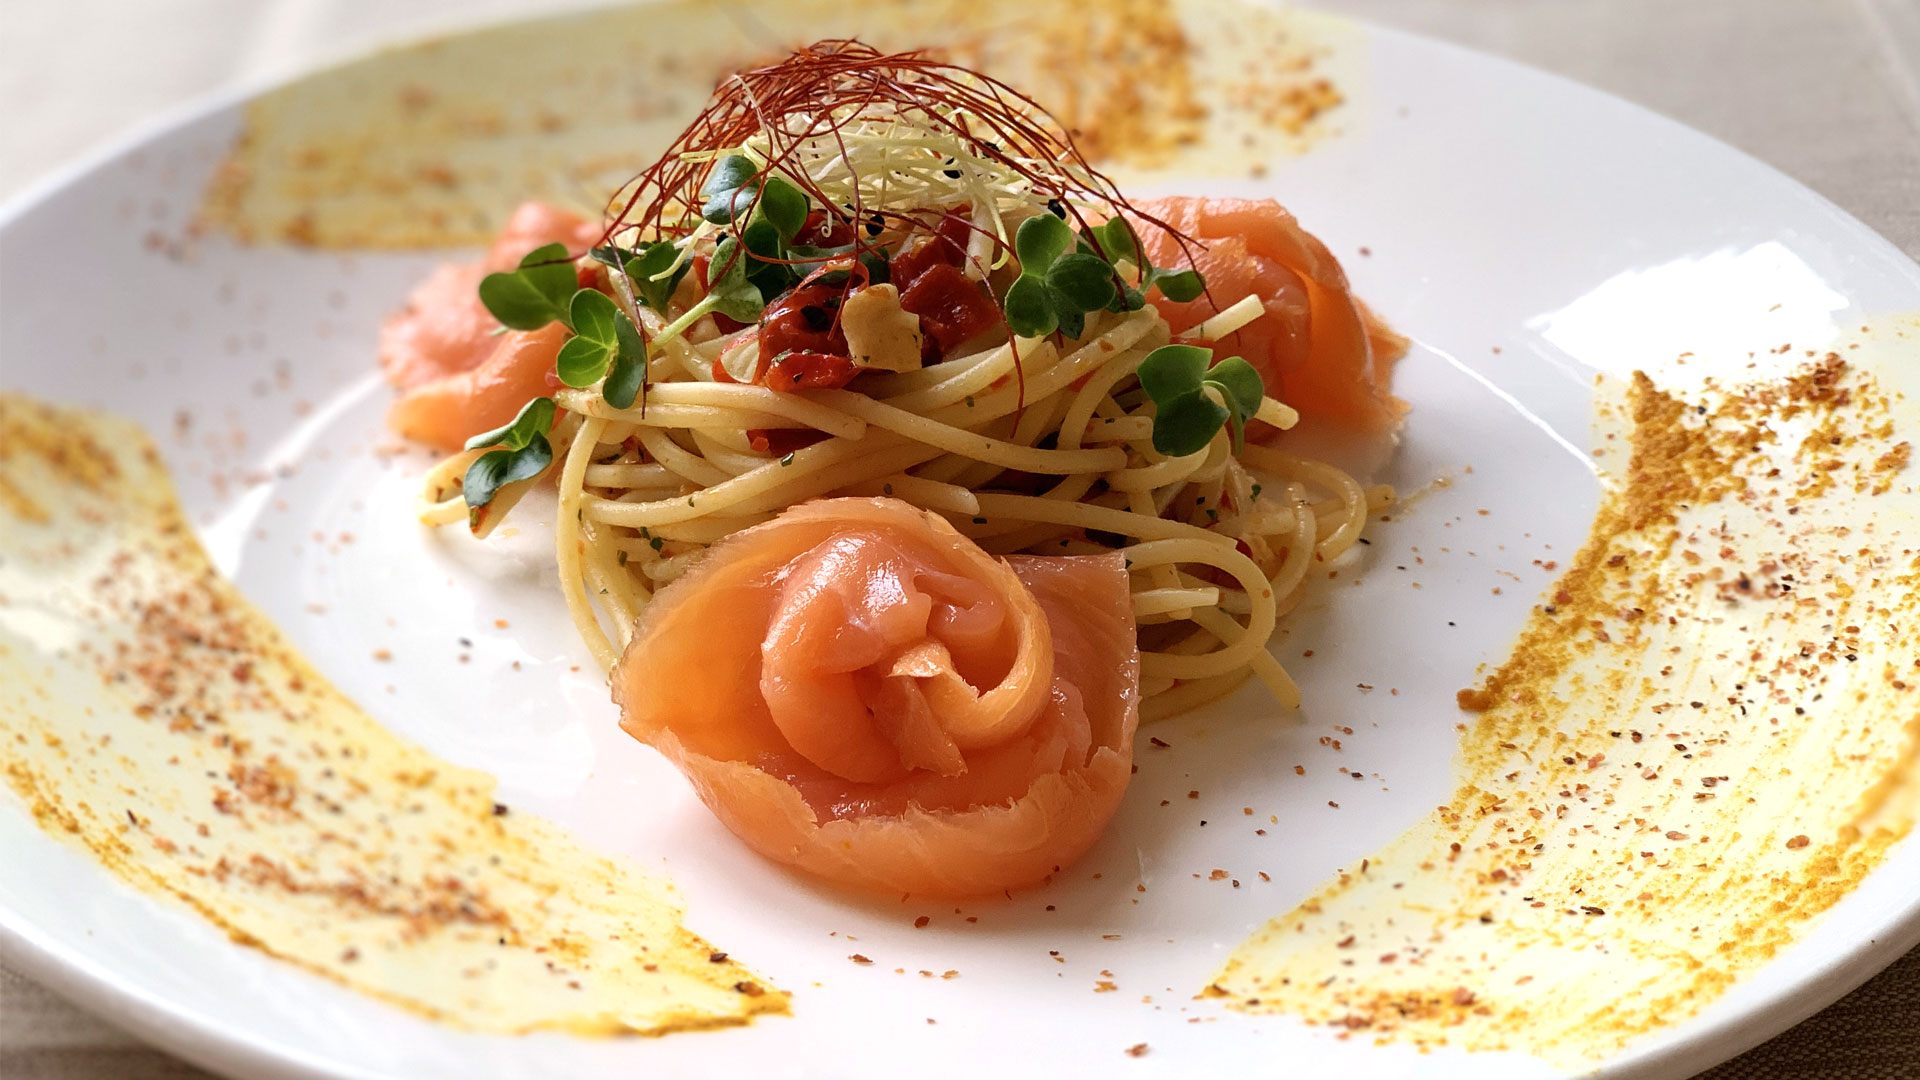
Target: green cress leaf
point(593, 315)
point(496, 469)
point(1178, 286)
point(732, 294)
point(725, 188)
point(1040, 241)
point(550, 269)
point(1185, 418)
point(1028, 309)
point(612, 255)
point(1117, 241)
point(515, 302)
point(536, 293)
point(535, 418)
point(1187, 424)
point(629, 370)
point(784, 206)
point(1073, 322)
point(1172, 371)
point(640, 266)
point(1239, 383)
point(654, 258)
point(765, 250)
point(583, 359)
point(1242, 389)
point(644, 266)
point(1082, 280)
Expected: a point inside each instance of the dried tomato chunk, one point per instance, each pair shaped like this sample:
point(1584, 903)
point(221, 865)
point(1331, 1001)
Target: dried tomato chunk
point(946, 247)
point(804, 320)
point(952, 309)
point(809, 371)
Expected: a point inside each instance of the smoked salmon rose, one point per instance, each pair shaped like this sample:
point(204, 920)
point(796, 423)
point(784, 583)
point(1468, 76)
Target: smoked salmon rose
point(1317, 348)
point(859, 691)
point(459, 375)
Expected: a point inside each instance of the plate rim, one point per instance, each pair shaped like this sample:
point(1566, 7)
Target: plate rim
point(199, 1038)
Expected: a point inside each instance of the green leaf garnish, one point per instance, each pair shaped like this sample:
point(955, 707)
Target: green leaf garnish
point(1029, 312)
point(1173, 370)
point(1040, 240)
point(1178, 286)
point(496, 469)
point(629, 370)
point(605, 343)
point(1118, 241)
point(765, 250)
point(1084, 281)
point(783, 206)
point(732, 294)
point(1056, 289)
point(534, 295)
point(534, 418)
point(583, 359)
point(1186, 417)
point(726, 188)
point(1187, 424)
point(1239, 384)
point(522, 453)
point(643, 265)
point(735, 190)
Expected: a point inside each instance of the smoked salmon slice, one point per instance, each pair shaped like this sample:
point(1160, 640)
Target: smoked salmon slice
point(1317, 347)
point(458, 375)
point(859, 691)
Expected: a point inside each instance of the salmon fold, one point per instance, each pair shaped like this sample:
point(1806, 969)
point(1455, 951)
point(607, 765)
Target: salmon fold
point(458, 370)
point(858, 691)
point(1316, 345)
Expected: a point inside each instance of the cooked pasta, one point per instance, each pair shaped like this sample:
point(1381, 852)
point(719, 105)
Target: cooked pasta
point(1219, 543)
point(835, 285)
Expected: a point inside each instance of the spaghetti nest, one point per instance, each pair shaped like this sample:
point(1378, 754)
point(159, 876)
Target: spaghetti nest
point(1029, 427)
point(1218, 543)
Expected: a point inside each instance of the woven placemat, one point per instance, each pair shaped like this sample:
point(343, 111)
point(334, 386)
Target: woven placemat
point(1871, 1034)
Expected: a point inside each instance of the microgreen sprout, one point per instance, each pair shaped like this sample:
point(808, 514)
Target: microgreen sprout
point(536, 293)
point(1058, 287)
point(747, 270)
point(1187, 417)
point(521, 453)
point(644, 268)
point(605, 344)
point(1117, 241)
point(728, 189)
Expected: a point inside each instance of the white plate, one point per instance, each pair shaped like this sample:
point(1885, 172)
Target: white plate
point(1490, 197)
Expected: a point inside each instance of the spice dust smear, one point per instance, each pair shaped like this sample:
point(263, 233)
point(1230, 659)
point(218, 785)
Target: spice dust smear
point(1705, 736)
point(152, 717)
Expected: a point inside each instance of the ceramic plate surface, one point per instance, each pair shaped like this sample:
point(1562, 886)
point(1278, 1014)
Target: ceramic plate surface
point(1489, 201)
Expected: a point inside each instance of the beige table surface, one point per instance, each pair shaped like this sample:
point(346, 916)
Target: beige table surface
point(1826, 90)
